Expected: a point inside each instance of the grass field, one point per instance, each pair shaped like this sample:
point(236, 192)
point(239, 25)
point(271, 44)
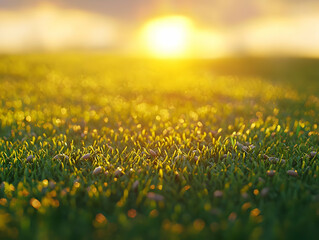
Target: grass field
point(105, 147)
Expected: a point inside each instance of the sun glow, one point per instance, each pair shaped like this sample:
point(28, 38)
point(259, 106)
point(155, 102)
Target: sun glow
point(168, 36)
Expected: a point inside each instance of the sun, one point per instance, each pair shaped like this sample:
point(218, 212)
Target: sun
point(168, 36)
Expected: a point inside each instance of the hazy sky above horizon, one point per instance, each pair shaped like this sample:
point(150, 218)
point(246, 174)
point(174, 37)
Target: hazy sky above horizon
point(207, 11)
point(223, 27)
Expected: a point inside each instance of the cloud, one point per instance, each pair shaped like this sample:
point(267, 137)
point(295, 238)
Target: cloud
point(49, 28)
point(296, 36)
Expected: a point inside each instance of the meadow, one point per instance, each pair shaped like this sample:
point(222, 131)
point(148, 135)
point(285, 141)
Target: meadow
point(95, 146)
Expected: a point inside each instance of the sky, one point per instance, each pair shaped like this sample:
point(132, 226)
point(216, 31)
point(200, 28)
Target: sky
point(219, 27)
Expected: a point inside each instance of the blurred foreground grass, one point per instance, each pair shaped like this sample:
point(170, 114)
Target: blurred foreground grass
point(96, 147)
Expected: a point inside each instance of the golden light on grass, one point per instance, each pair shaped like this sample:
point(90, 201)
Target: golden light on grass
point(168, 36)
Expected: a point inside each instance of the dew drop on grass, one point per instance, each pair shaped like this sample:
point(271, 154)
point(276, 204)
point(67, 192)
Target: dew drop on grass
point(97, 170)
point(292, 173)
point(29, 158)
point(264, 192)
point(260, 179)
point(271, 173)
point(153, 153)
point(118, 172)
point(273, 159)
point(86, 156)
point(155, 196)
point(313, 154)
point(135, 185)
point(218, 194)
point(61, 156)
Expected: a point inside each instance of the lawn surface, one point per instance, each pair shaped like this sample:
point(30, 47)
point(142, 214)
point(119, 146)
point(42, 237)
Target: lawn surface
point(104, 147)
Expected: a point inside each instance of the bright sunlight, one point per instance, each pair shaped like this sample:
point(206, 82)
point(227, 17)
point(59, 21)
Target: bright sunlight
point(168, 36)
